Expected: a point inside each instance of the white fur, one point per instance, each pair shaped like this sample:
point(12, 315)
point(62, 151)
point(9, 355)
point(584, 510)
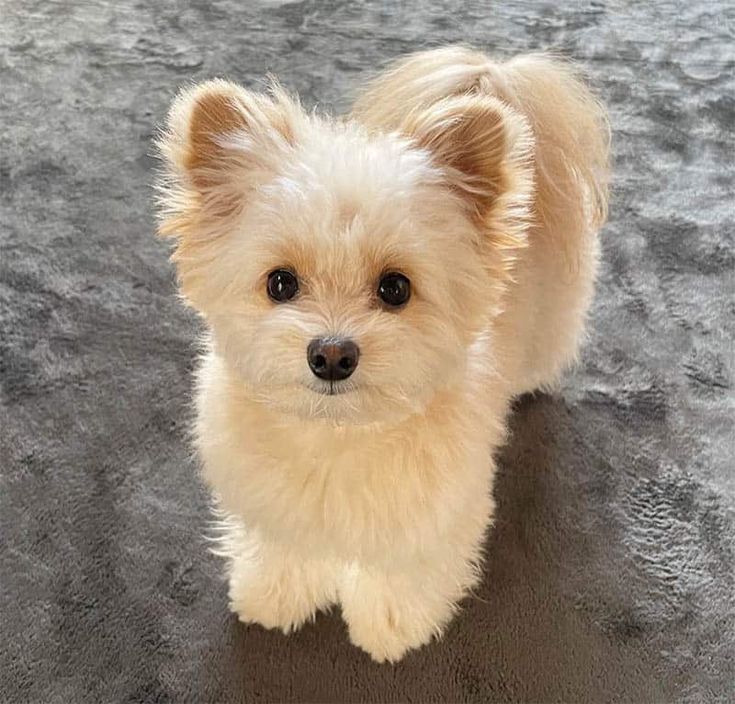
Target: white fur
point(377, 499)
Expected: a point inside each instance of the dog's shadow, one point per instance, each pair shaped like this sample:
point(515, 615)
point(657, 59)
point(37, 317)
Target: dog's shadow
point(524, 632)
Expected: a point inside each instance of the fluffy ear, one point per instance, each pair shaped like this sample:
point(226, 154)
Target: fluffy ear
point(220, 140)
point(483, 146)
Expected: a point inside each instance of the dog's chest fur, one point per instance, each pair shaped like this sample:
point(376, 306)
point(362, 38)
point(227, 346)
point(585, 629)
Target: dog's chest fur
point(354, 491)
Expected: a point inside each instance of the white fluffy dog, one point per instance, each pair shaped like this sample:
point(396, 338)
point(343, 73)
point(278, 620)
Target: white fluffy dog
point(377, 290)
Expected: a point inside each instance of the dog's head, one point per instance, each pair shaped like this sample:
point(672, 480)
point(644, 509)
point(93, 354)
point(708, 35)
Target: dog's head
point(344, 274)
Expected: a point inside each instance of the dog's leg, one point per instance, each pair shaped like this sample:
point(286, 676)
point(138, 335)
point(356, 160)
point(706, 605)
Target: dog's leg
point(279, 588)
point(389, 613)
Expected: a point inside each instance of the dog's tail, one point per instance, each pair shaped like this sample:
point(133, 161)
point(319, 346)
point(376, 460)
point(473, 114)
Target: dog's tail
point(570, 128)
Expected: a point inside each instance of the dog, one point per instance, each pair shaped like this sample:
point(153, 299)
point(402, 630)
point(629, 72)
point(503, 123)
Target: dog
point(376, 290)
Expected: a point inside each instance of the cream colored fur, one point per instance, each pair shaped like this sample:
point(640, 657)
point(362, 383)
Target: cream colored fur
point(485, 184)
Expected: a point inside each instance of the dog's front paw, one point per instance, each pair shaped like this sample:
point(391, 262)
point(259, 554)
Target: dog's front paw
point(254, 603)
point(387, 619)
point(279, 594)
point(383, 636)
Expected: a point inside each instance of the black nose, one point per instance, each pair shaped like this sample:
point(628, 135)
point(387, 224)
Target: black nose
point(332, 358)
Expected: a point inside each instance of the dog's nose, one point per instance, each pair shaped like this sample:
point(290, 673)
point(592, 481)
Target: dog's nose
point(332, 358)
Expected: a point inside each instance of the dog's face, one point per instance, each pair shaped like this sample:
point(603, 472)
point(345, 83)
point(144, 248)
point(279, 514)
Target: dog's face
point(343, 274)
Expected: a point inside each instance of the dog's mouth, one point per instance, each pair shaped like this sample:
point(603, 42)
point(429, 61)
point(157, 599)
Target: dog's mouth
point(332, 388)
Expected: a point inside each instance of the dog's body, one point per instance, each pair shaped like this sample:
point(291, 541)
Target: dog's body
point(483, 184)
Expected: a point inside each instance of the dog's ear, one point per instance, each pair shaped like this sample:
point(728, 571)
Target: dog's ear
point(219, 144)
point(482, 145)
point(220, 140)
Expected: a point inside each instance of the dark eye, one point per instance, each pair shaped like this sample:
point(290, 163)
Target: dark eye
point(282, 285)
point(394, 289)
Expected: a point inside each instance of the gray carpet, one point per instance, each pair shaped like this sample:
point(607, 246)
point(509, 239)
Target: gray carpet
point(610, 575)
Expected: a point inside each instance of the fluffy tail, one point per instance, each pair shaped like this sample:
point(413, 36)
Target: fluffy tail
point(570, 128)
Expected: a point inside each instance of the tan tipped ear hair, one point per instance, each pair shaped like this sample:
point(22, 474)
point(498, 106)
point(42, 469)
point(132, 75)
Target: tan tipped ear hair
point(480, 142)
point(204, 120)
point(216, 112)
point(220, 139)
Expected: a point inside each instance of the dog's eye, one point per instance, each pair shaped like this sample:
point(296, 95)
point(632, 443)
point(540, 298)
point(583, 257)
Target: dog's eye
point(282, 285)
point(394, 289)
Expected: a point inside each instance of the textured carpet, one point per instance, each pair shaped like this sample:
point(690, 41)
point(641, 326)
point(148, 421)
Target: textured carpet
point(610, 574)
